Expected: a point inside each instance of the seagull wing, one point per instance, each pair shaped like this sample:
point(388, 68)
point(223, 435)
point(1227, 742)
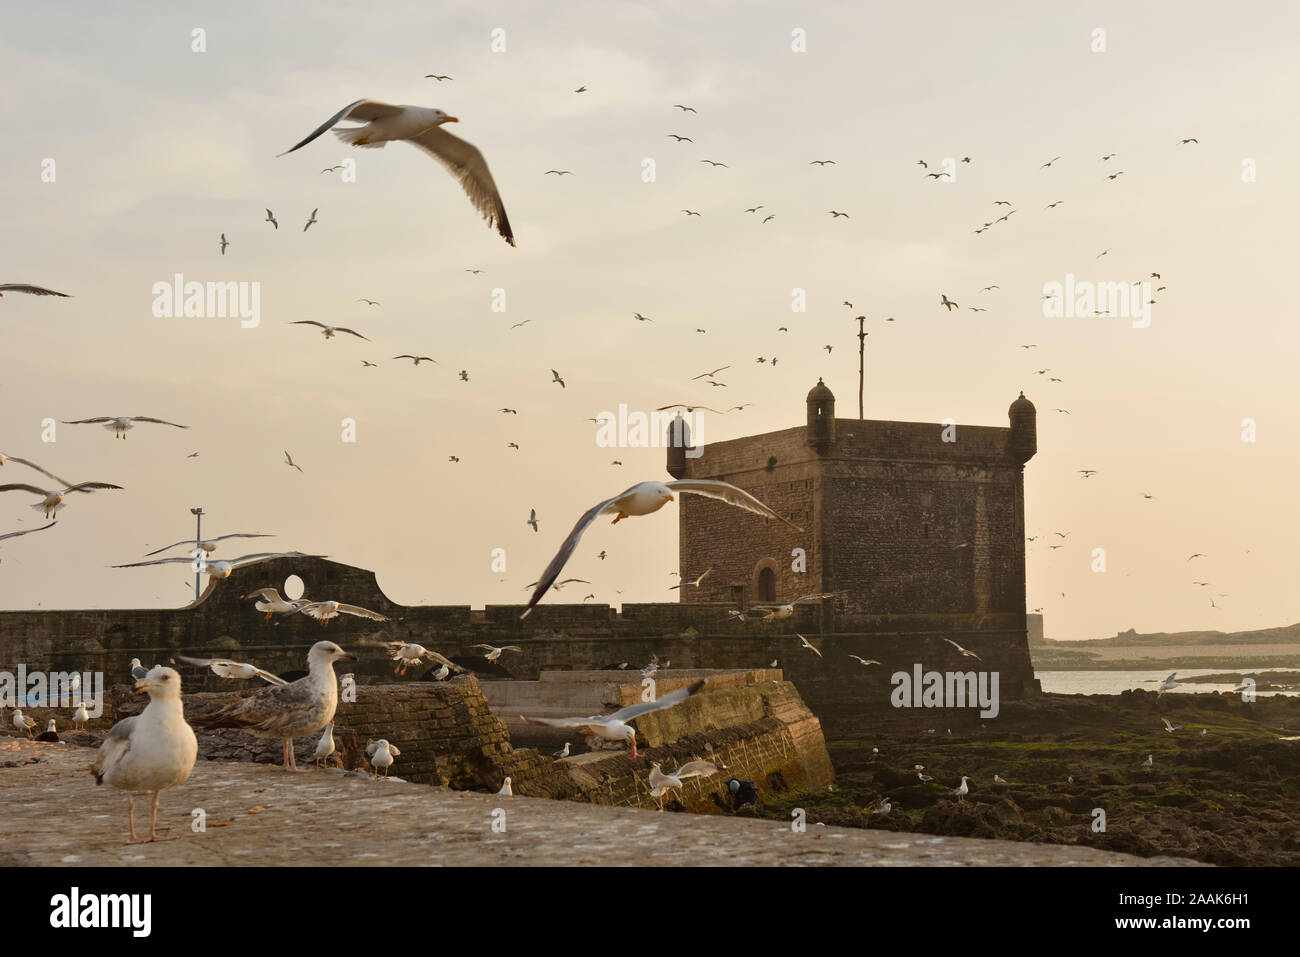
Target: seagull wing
point(308, 322)
point(114, 748)
point(33, 290)
point(466, 163)
point(32, 465)
point(566, 550)
point(157, 561)
point(363, 613)
point(183, 541)
point(696, 769)
point(360, 110)
point(266, 557)
point(665, 701)
point(95, 421)
point(17, 487)
point(808, 597)
point(26, 531)
point(83, 486)
point(148, 418)
point(712, 488)
point(352, 332)
point(565, 722)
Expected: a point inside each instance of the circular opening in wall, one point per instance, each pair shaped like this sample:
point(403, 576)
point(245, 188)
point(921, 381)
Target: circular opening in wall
point(293, 588)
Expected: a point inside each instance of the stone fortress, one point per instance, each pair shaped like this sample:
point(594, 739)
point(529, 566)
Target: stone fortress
point(919, 539)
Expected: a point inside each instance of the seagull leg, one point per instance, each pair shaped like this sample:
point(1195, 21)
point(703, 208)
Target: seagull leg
point(130, 816)
point(153, 822)
point(618, 518)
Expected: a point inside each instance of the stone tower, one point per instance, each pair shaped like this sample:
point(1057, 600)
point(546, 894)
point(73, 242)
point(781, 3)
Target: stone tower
point(821, 418)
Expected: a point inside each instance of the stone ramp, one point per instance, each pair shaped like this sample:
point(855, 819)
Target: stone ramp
point(54, 814)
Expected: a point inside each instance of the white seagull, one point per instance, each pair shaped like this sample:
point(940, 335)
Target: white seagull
point(492, 653)
point(222, 569)
point(962, 651)
point(661, 783)
point(325, 746)
point(271, 603)
point(383, 756)
point(506, 789)
point(151, 751)
point(121, 424)
point(80, 717)
point(563, 752)
point(323, 611)
point(29, 289)
point(865, 661)
point(208, 544)
point(803, 642)
point(138, 671)
point(421, 126)
point(327, 331)
point(52, 499)
point(961, 790)
point(232, 671)
point(778, 612)
point(615, 727)
point(1171, 728)
point(643, 499)
point(22, 722)
point(408, 654)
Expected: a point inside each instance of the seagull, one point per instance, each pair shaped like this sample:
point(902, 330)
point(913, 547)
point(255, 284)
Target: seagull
point(643, 499)
point(222, 569)
point(383, 756)
point(997, 779)
point(138, 671)
point(29, 289)
point(581, 89)
point(270, 218)
point(709, 374)
point(615, 727)
point(661, 783)
point(409, 655)
point(883, 806)
point(233, 670)
point(690, 212)
point(835, 214)
point(532, 518)
point(1054, 205)
point(52, 499)
point(330, 169)
point(492, 653)
point(288, 460)
point(922, 776)
point(1167, 685)
point(369, 365)
point(696, 583)
point(327, 331)
point(1049, 162)
point(120, 425)
point(681, 139)
point(1197, 555)
point(961, 790)
point(558, 172)
point(1171, 728)
point(947, 303)
point(962, 651)
point(556, 378)
point(272, 603)
point(325, 746)
point(640, 318)
point(506, 789)
point(323, 611)
point(685, 109)
point(778, 611)
point(754, 209)
point(1148, 763)
point(22, 722)
point(80, 717)
point(286, 711)
point(151, 751)
point(822, 163)
point(416, 360)
point(1190, 139)
point(435, 76)
point(224, 244)
point(208, 545)
point(803, 643)
point(715, 163)
point(369, 302)
point(421, 126)
point(865, 661)
point(773, 216)
point(311, 220)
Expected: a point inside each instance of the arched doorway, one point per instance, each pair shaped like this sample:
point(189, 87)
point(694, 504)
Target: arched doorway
point(766, 585)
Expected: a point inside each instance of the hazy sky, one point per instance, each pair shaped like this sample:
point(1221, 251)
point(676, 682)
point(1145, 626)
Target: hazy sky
point(159, 149)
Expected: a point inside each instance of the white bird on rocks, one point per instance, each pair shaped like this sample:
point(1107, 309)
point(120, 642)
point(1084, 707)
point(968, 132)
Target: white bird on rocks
point(272, 604)
point(80, 717)
point(290, 710)
point(921, 775)
point(615, 727)
point(323, 611)
point(325, 746)
point(563, 752)
point(997, 779)
point(441, 673)
point(644, 499)
point(222, 569)
point(383, 756)
point(50, 733)
point(492, 653)
point(883, 806)
point(421, 126)
point(151, 751)
point(22, 722)
point(961, 790)
point(803, 642)
point(774, 663)
point(1148, 763)
point(232, 671)
point(506, 789)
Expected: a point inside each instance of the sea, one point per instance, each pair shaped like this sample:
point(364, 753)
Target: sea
point(1113, 682)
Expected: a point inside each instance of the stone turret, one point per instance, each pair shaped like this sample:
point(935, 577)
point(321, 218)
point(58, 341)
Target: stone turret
point(821, 418)
point(1024, 430)
point(678, 441)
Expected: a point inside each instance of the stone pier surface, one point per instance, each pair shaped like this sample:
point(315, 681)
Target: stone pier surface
point(54, 814)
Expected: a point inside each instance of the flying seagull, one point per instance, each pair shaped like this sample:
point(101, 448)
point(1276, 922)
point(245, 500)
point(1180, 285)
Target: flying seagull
point(26, 531)
point(121, 424)
point(270, 218)
point(288, 460)
point(696, 582)
point(271, 603)
point(323, 611)
point(222, 569)
point(224, 244)
point(416, 360)
point(947, 303)
point(29, 289)
point(231, 670)
point(311, 220)
point(491, 653)
point(532, 518)
point(559, 172)
point(421, 126)
point(439, 78)
point(681, 139)
point(686, 109)
point(962, 651)
point(52, 499)
point(556, 378)
point(615, 727)
point(327, 331)
point(803, 643)
point(822, 163)
point(368, 302)
point(208, 545)
point(643, 499)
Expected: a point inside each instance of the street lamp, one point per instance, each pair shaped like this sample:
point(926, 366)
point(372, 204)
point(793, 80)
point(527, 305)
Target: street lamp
point(198, 537)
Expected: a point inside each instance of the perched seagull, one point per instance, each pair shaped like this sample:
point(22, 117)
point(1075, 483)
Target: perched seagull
point(883, 806)
point(643, 499)
point(311, 219)
point(121, 424)
point(922, 776)
point(138, 671)
point(421, 126)
point(222, 569)
point(270, 218)
point(80, 717)
point(1171, 728)
point(383, 756)
point(286, 711)
point(151, 751)
point(29, 289)
point(323, 611)
point(327, 331)
point(441, 673)
point(615, 727)
point(563, 752)
point(1148, 763)
point(864, 661)
point(997, 779)
point(288, 460)
point(505, 785)
point(22, 722)
point(961, 790)
point(233, 670)
point(325, 746)
point(492, 653)
point(52, 499)
point(962, 651)
point(224, 244)
point(209, 545)
point(803, 643)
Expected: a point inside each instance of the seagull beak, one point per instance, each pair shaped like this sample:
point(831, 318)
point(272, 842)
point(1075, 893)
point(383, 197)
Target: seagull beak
point(142, 686)
point(670, 497)
point(452, 119)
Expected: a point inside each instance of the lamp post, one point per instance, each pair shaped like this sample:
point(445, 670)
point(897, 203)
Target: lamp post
point(862, 351)
point(198, 537)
